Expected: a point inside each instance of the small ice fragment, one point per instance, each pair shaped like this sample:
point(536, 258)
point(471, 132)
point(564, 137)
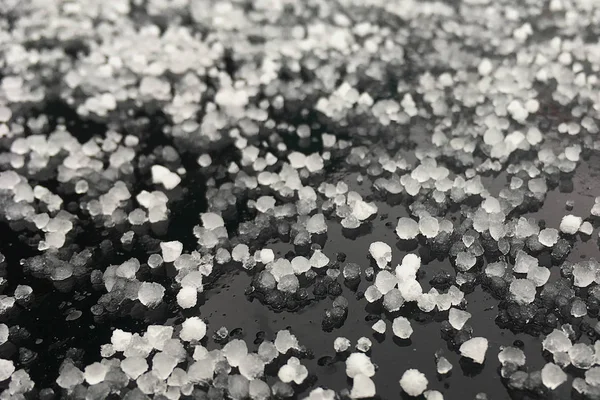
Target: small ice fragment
point(402, 328)
point(164, 176)
point(458, 318)
point(475, 349)
point(316, 224)
point(570, 224)
point(413, 382)
point(192, 329)
point(512, 355)
point(359, 364)
point(381, 253)
point(379, 326)
point(557, 342)
point(171, 250)
point(429, 226)
point(363, 344)
point(522, 291)
point(553, 376)
point(548, 237)
point(362, 387)
point(407, 228)
point(151, 294)
point(443, 366)
point(341, 344)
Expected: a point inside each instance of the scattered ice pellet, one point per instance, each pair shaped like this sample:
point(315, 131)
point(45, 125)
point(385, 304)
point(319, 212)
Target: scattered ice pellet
point(171, 250)
point(192, 329)
point(407, 228)
point(381, 253)
point(458, 318)
point(553, 376)
point(362, 387)
point(359, 364)
point(413, 382)
point(402, 328)
point(165, 177)
point(522, 291)
point(474, 349)
point(341, 344)
point(379, 326)
point(570, 224)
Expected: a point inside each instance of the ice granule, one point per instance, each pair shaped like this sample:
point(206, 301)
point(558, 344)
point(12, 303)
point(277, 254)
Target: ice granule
point(363, 344)
point(584, 273)
point(320, 394)
point(570, 224)
point(300, 265)
point(433, 395)
point(372, 294)
point(429, 226)
point(259, 390)
point(582, 355)
point(251, 366)
point(265, 203)
point(512, 355)
point(359, 364)
point(557, 342)
point(267, 351)
point(522, 291)
point(316, 224)
point(293, 371)
point(548, 237)
point(192, 329)
point(158, 335)
point(496, 269)
point(443, 366)
point(458, 318)
point(407, 228)
point(211, 220)
point(235, 351)
point(151, 294)
point(318, 259)
point(475, 349)
point(553, 376)
point(385, 281)
point(187, 297)
point(285, 341)
point(538, 275)
point(362, 387)
point(402, 328)
point(165, 177)
point(70, 376)
point(95, 373)
point(465, 261)
point(163, 365)
point(586, 228)
point(592, 376)
point(410, 289)
point(362, 210)
point(381, 253)
point(4, 333)
point(351, 272)
point(578, 308)
point(341, 344)
point(288, 284)
point(171, 250)
point(379, 326)
point(134, 367)
point(413, 382)
point(120, 339)
point(393, 300)
point(523, 262)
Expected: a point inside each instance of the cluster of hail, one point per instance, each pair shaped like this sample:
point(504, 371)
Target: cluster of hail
point(258, 112)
